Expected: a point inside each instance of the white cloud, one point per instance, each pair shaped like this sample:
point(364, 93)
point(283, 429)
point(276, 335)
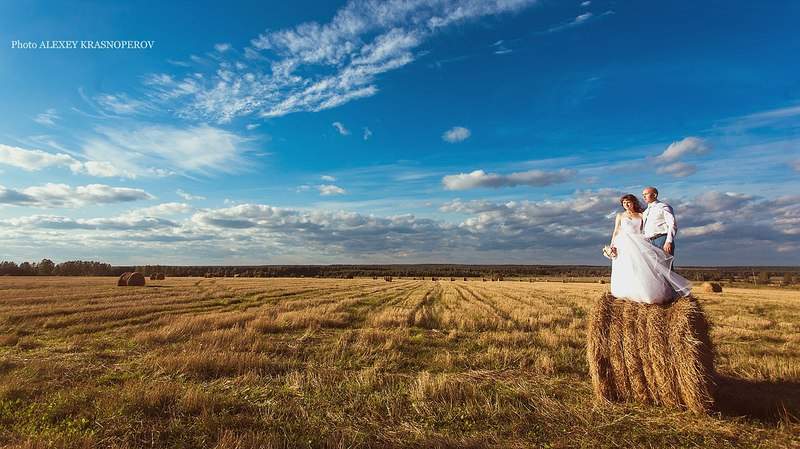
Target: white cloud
point(32, 160)
point(188, 196)
point(682, 148)
point(104, 169)
point(63, 195)
point(160, 150)
point(578, 20)
point(586, 3)
point(364, 39)
point(367, 133)
point(47, 118)
point(121, 104)
point(330, 189)
point(161, 210)
point(252, 126)
point(328, 178)
point(222, 48)
point(713, 227)
point(677, 169)
point(342, 130)
point(696, 231)
point(121, 223)
point(479, 178)
point(456, 134)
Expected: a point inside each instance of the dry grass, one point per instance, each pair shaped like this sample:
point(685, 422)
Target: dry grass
point(262, 362)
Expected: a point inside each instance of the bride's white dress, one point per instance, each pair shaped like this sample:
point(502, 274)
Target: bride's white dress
point(641, 272)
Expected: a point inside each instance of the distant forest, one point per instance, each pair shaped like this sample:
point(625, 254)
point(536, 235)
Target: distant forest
point(46, 267)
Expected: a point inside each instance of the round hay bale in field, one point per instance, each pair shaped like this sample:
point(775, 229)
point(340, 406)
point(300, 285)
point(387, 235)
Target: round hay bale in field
point(161, 276)
point(601, 281)
point(129, 279)
point(650, 353)
point(136, 279)
point(123, 279)
point(711, 287)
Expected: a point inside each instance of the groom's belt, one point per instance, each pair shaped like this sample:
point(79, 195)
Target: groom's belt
point(657, 236)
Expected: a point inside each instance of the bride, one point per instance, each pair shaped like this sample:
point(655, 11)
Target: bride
point(641, 271)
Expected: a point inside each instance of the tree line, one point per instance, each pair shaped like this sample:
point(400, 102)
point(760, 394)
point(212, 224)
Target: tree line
point(46, 267)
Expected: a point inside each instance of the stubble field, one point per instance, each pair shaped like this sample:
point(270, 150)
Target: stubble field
point(259, 363)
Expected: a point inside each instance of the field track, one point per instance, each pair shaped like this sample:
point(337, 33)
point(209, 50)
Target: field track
point(300, 362)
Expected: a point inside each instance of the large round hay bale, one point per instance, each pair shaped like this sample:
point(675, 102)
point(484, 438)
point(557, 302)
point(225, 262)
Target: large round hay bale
point(123, 279)
point(711, 287)
point(136, 279)
point(654, 354)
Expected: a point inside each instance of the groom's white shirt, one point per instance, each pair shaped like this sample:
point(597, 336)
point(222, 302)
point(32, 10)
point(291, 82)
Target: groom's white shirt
point(660, 219)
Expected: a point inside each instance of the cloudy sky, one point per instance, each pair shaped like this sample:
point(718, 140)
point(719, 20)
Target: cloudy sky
point(473, 131)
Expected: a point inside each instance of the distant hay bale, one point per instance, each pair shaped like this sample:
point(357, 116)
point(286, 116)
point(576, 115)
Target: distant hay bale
point(711, 287)
point(387, 278)
point(123, 279)
point(161, 276)
point(601, 281)
point(129, 279)
point(652, 354)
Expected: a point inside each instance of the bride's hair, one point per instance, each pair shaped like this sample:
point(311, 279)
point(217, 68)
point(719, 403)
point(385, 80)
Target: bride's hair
point(637, 207)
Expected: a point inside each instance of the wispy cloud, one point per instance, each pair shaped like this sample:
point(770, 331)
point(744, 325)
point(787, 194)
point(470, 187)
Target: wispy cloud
point(188, 196)
point(456, 134)
point(677, 169)
point(367, 133)
point(330, 189)
point(363, 40)
point(222, 48)
point(121, 104)
point(580, 19)
point(63, 195)
point(327, 178)
point(341, 128)
point(480, 178)
point(47, 118)
point(160, 150)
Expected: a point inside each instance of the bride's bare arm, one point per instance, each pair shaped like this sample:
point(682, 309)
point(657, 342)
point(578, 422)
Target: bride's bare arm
point(616, 228)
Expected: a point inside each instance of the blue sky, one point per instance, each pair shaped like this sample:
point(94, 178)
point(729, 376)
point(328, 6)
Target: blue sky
point(498, 131)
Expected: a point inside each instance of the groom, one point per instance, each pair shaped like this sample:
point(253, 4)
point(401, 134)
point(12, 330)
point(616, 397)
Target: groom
point(659, 221)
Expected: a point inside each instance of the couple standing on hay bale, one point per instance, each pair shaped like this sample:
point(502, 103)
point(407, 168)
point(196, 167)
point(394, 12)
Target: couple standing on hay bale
point(642, 252)
point(655, 347)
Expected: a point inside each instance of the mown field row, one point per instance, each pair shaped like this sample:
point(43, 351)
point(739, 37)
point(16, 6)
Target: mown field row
point(265, 362)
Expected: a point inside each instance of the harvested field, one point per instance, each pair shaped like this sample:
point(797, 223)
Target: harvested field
point(266, 362)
